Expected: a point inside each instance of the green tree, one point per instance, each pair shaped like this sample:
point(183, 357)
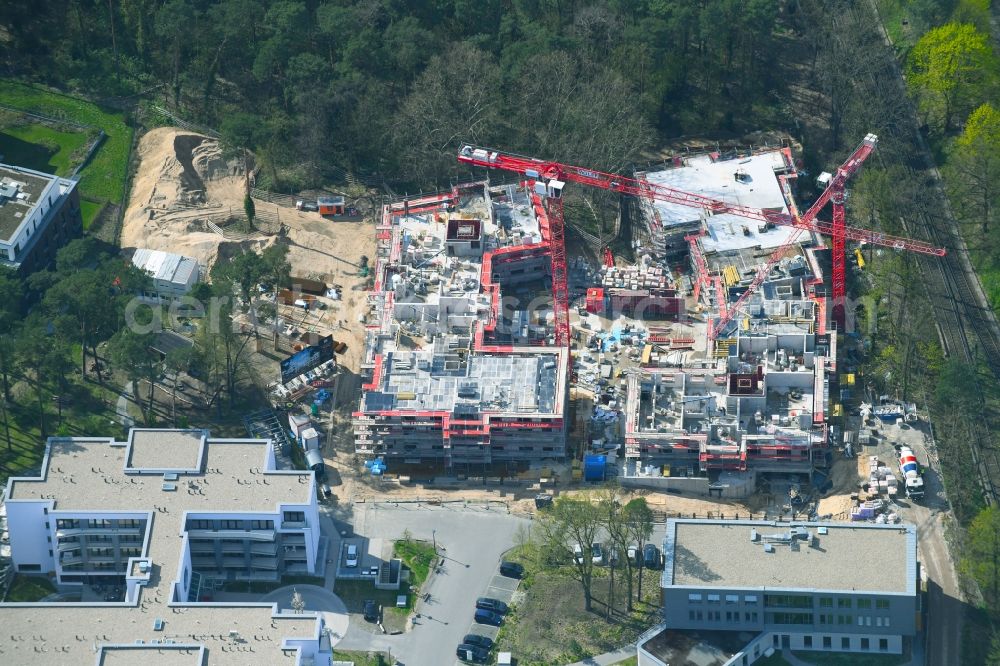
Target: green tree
point(249, 209)
point(981, 556)
point(574, 520)
point(131, 353)
point(973, 172)
point(949, 68)
point(639, 519)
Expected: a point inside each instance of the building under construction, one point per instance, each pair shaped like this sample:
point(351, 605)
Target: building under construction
point(462, 361)
point(757, 400)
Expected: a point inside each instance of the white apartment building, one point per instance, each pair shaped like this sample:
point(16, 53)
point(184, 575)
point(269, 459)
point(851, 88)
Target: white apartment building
point(164, 514)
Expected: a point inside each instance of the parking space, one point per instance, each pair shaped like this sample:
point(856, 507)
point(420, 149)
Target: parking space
point(501, 588)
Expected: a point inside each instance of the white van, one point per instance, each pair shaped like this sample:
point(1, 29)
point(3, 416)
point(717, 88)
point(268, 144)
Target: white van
point(352, 555)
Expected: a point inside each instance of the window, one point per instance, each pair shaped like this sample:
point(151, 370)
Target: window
point(827, 642)
point(886, 621)
point(787, 601)
point(807, 641)
point(865, 644)
point(843, 619)
point(128, 522)
point(732, 598)
point(67, 524)
point(753, 616)
point(791, 618)
point(29, 567)
point(199, 524)
point(845, 643)
point(865, 603)
point(232, 524)
point(868, 620)
point(694, 598)
point(878, 622)
point(883, 644)
point(713, 598)
point(823, 619)
point(882, 604)
point(296, 516)
point(729, 617)
point(697, 615)
point(262, 524)
point(861, 621)
point(844, 602)
point(826, 602)
point(691, 615)
point(99, 523)
point(750, 599)
point(746, 617)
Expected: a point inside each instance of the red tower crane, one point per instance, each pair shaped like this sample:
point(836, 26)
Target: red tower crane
point(554, 175)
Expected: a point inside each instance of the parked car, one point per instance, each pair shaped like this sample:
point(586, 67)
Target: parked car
point(596, 553)
point(371, 610)
point(578, 553)
point(484, 616)
point(634, 555)
point(613, 559)
point(478, 640)
point(352, 555)
point(511, 569)
point(495, 605)
point(473, 653)
point(651, 556)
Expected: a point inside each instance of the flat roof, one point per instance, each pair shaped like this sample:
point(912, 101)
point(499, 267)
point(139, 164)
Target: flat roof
point(90, 476)
point(720, 553)
point(20, 190)
point(158, 449)
point(716, 178)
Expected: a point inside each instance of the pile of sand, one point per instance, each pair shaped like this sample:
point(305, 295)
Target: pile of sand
point(182, 177)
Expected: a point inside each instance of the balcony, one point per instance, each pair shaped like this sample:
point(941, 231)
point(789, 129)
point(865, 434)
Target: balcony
point(269, 563)
point(264, 549)
point(202, 547)
point(253, 535)
point(293, 524)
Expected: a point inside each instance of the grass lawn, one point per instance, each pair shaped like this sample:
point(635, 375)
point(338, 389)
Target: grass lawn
point(354, 593)
point(362, 658)
point(104, 177)
point(90, 210)
point(265, 586)
point(631, 661)
point(29, 588)
point(854, 659)
point(549, 624)
point(90, 412)
point(418, 557)
point(43, 148)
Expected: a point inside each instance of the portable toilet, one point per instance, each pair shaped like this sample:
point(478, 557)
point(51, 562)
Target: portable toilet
point(594, 467)
point(309, 439)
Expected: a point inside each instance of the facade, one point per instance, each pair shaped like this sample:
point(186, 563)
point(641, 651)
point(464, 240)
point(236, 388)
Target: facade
point(460, 359)
point(39, 213)
point(173, 274)
point(167, 516)
point(806, 586)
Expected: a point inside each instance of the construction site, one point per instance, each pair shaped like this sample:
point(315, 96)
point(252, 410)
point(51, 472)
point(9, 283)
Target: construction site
point(701, 363)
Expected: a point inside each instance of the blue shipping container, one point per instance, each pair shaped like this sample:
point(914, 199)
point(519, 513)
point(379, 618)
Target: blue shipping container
point(593, 467)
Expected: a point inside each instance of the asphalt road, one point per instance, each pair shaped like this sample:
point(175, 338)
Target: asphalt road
point(472, 541)
point(945, 608)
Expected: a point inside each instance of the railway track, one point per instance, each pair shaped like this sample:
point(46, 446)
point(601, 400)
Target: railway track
point(961, 321)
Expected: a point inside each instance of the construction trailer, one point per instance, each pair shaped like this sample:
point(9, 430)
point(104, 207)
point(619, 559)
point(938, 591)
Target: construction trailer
point(330, 205)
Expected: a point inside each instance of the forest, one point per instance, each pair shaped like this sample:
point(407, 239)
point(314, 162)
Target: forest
point(385, 90)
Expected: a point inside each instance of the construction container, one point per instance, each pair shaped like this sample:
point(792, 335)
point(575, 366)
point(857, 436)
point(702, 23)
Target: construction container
point(330, 205)
point(594, 467)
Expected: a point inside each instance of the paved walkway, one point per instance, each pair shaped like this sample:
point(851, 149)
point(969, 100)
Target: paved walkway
point(608, 658)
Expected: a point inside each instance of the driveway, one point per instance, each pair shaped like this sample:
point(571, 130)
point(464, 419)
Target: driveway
point(471, 542)
point(316, 599)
